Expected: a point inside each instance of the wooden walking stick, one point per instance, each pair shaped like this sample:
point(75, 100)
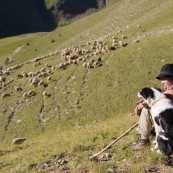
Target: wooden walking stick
point(104, 149)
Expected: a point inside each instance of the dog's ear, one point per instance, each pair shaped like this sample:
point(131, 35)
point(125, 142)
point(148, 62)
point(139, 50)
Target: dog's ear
point(147, 93)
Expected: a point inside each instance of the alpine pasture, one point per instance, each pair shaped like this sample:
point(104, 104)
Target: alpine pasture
point(70, 92)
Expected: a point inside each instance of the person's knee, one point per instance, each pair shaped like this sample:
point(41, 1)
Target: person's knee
point(146, 113)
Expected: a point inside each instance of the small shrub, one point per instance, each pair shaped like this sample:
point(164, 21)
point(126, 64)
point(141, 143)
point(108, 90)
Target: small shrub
point(53, 41)
point(63, 23)
point(32, 166)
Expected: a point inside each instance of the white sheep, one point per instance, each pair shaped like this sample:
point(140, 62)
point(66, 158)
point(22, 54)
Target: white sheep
point(49, 78)
point(90, 64)
point(18, 88)
point(40, 83)
point(96, 64)
point(44, 93)
point(85, 64)
point(31, 93)
point(5, 95)
point(36, 64)
point(31, 74)
point(25, 95)
point(18, 141)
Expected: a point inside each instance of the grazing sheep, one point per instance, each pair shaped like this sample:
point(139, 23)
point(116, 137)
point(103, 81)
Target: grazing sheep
point(25, 95)
point(41, 83)
point(91, 60)
point(6, 72)
point(24, 74)
point(19, 76)
point(67, 63)
point(52, 68)
point(74, 62)
point(40, 75)
point(84, 59)
point(49, 71)
point(36, 64)
point(31, 93)
point(123, 44)
point(44, 93)
point(47, 65)
point(31, 74)
point(33, 82)
point(90, 64)
point(43, 70)
point(49, 78)
point(18, 141)
point(112, 48)
point(138, 26)
point(30, 80)
point(5, 95)
point(136, 40)
point(44, 74)
point(96, 64)
point(85, 64)
point(60, 66)
point(2, 79)
point(18, 88)
point(123, 37)
point(99, 59)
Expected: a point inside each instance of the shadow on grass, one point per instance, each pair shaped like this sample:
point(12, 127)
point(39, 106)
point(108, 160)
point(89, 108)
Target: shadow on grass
point(27, 16)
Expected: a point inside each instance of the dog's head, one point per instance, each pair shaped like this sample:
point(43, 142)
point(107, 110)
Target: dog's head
point(150, 95)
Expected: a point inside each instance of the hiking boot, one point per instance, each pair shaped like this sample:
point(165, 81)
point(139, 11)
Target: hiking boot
point(140, 144)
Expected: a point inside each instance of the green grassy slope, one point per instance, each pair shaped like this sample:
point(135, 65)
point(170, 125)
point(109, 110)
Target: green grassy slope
point(84, 109)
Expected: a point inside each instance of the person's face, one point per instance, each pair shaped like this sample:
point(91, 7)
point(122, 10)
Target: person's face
point(167, 82)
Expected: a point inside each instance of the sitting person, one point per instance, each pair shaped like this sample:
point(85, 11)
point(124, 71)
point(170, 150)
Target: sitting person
point(143, 111)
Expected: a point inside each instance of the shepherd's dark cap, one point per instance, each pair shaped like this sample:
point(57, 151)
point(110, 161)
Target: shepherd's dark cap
point(166, 70)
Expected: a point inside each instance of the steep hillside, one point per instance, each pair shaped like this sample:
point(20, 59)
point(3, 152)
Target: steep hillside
point(72, 91)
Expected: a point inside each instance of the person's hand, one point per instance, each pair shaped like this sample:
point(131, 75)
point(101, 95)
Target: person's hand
point(137, 111)
point(140, 105)
point(140, 101)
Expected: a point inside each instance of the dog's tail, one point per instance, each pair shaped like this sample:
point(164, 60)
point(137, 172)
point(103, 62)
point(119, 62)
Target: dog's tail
point(165, 143)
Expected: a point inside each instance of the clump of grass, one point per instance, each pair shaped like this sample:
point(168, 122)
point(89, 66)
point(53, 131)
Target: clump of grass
point(53, 40)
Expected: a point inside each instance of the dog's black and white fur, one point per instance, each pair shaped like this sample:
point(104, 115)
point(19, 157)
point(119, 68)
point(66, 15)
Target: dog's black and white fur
point(162, 115)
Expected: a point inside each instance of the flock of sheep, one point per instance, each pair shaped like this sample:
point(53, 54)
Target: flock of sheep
point(89, 55)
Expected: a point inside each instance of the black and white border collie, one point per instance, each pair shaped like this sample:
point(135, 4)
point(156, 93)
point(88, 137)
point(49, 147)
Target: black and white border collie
point(162, 115)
